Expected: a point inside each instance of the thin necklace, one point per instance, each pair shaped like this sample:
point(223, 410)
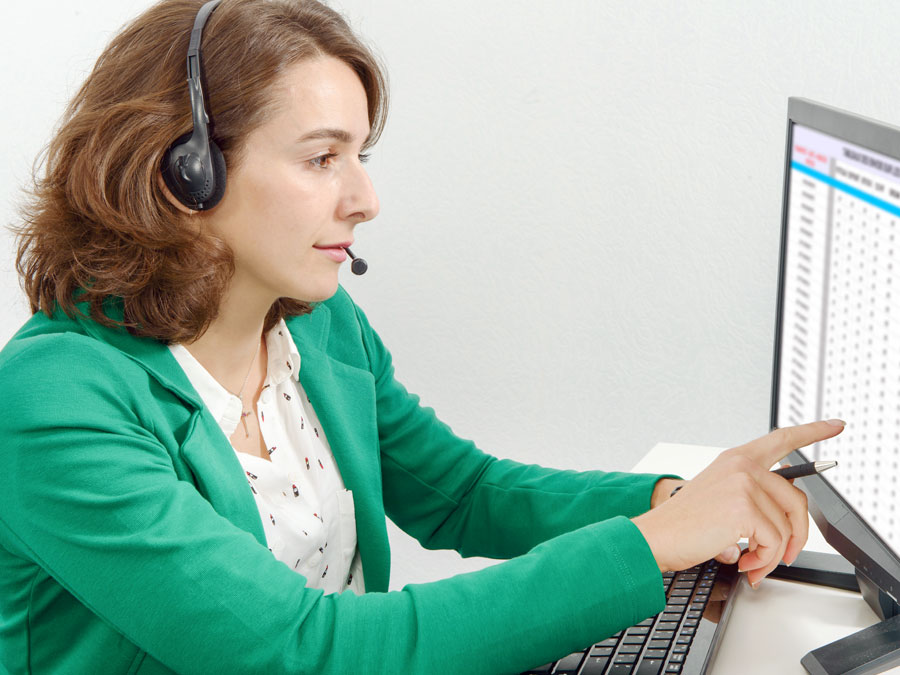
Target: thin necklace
point(244, 413)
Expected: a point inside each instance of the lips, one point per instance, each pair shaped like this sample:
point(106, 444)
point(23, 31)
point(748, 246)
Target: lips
point(337, 254)
point(344, 244)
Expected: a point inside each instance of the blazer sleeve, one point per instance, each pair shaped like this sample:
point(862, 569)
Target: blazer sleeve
point(448, 494)
point(89, 494)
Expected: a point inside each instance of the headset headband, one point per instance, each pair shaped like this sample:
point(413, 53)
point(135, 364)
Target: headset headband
point(193, 167)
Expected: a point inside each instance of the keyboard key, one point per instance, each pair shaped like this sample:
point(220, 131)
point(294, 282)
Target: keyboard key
point(694, 614)
point(649, 667)
point(646, 622)
point(625, 658)
point(621, 669)
point(684, 639)
point(609, 642)
point(672, 609)
point(655, 654)
point(681, 592)
point(634, 639)
point(663, 635)
point(659, 644)
point(688, 630)
point(569, 664)
point(691, 623)
point(677, 658)
point(637, 630)
point(595, 665)
point(673, 668)
point(678, 600)
point(630, 649)
point(680, 649)
point(602, 651)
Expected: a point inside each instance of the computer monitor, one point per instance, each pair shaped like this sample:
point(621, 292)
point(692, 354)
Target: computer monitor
point(837, 336)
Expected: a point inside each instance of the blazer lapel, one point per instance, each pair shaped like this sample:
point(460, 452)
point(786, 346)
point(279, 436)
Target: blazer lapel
point(218, 474)
point(343, 398)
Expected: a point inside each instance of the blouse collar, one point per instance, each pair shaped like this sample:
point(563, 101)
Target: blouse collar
point(283, 363)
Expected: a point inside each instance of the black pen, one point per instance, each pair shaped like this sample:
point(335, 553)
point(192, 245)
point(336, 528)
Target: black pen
point(803, 470)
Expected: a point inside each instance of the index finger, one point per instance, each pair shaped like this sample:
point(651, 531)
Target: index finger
point(776, 445)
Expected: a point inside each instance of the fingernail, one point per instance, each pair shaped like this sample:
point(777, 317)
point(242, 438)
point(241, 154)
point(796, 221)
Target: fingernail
point(755, 585)
point(836, 422)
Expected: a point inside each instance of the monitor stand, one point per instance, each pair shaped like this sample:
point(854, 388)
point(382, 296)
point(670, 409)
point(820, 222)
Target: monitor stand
point(823, 569)
point(871, 650)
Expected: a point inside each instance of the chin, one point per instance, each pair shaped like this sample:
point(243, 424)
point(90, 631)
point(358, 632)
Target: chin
point(318, 293)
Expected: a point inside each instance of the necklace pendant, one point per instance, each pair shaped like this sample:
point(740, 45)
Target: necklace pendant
point(244, 422)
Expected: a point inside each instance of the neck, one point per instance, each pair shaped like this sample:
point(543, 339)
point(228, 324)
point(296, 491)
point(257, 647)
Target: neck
point(228, 347)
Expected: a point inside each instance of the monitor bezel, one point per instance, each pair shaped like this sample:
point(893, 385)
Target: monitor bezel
point(841, 525)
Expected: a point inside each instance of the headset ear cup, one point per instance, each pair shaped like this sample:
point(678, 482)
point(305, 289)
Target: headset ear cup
point(167, 167)
point(167, 170)
point(219, 168)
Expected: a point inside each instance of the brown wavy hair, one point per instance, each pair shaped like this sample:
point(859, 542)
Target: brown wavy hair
point(96, 223)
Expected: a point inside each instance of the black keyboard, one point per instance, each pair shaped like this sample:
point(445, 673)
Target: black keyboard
point(680, 639)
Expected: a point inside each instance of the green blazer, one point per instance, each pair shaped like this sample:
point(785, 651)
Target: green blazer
point(129, 542)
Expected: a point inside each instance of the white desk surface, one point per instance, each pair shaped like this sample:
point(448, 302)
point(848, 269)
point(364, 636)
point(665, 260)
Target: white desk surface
point(773, 627)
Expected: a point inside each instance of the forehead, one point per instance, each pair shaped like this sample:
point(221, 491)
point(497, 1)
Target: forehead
point(321, 92)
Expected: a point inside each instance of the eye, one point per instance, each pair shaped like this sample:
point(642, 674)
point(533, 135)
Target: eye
point(319, 162)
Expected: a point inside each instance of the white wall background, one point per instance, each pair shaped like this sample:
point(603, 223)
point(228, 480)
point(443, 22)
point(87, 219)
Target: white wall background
point(577, 250)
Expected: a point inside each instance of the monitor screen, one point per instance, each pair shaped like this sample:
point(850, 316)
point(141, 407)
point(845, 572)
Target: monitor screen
point(838, 340)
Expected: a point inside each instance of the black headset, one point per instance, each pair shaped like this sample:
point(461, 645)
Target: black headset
point(193, 167)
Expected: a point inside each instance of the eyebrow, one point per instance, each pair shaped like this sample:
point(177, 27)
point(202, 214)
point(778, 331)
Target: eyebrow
point(337, 134)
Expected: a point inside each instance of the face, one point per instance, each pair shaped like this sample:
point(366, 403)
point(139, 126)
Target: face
point(289, 195)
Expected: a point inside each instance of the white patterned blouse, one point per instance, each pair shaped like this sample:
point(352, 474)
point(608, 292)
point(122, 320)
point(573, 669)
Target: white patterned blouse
point(308, 516)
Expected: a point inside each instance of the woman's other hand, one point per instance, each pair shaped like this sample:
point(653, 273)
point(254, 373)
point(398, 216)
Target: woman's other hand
point(663, 491)
point(736, 497)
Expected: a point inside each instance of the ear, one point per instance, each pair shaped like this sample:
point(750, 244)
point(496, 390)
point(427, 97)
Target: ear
point(168, 193)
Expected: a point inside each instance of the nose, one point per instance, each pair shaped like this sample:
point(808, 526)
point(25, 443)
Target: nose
point(361, 201)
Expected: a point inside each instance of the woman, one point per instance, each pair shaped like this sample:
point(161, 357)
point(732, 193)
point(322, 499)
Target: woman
point(204, 434)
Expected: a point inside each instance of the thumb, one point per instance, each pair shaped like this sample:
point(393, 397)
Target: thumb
point(787, 466)
point(730, 555)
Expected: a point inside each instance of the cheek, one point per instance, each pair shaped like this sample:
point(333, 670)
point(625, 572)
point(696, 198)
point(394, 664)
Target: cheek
point(278, 205)
point(290, 193)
